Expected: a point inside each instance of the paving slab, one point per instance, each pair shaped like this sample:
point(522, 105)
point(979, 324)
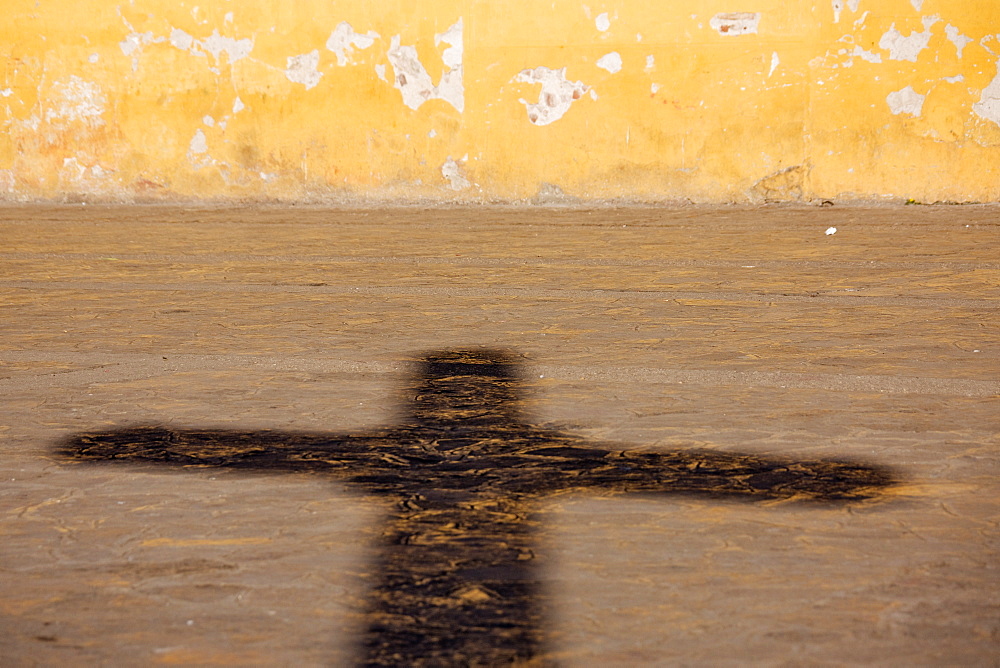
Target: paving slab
point(739, 332)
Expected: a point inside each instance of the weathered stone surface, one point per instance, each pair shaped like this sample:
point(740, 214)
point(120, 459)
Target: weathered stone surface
point(730, 330)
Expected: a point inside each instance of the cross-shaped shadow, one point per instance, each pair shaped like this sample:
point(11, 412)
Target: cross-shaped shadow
point(457, 583)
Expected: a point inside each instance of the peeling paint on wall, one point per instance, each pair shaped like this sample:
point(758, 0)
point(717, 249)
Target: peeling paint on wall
point(343, 41)
point(838, 7)
point(199, 144)
point(906, 101)
point(704, 118)
point(909, 47)
point(867, 56)
point(556, 96)
point(735, 23)
point(412, 79)
point(303, 69)
point(76, 100)
point(134, 42)
point(452, 172)
point(216, 44)
point(612, 62)
point(957, 38)
point(988, 106)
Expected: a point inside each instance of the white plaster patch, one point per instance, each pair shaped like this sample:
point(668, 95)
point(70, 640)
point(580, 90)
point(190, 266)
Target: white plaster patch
point(957, 38)
point(655, 88)
point(867, 56)
point(556, 96)
point(31, 123)
point(199, 144)
point(380, 72)
point(905, 101)
point(838, 7)
point(302, 69)
point(907, 48)
point(413, 81)
point(917, 4)
point(6, 92)
point(238, 105)
point(411, 78)
point(76, 100)
point(452, 171)
point(215, 44)
point(73, 169)
point(650, 63)
point(612, 62)
point(235, 49)
point(452, 56)
point(988, 106)
point(775, 61)
point(93, 58)
point(181, 40)
point(958, 78)
point(602, 22)
point(209, 121)
point(343, 41)
point(135, 41)
point(735, 23)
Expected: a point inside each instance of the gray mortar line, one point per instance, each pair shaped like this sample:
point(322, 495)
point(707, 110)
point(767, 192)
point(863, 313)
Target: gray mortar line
point(136, 366)
point(211, 258)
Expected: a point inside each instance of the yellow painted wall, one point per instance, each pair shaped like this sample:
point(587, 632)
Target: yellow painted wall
point(272, 100)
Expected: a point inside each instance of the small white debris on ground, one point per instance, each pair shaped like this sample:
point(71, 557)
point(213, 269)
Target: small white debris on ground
point(831, 230)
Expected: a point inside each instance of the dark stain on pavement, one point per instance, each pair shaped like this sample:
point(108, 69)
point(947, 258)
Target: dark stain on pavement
point(456, 578)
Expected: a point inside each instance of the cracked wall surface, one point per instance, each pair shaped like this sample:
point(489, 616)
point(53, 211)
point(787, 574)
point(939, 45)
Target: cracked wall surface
point(264, 101)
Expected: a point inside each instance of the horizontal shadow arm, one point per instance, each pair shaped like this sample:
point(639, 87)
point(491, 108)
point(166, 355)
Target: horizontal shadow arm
point(251, 450)
point(722, 474)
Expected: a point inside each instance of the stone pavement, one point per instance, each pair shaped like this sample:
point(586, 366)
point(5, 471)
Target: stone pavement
point(723, 330)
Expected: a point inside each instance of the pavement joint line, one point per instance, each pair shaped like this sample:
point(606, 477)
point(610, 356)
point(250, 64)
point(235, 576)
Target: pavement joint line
point(211, 258)
point(506, 292)
point(120, 367)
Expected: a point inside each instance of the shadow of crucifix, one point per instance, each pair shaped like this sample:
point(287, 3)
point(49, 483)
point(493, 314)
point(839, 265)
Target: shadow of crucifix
point(456, 575)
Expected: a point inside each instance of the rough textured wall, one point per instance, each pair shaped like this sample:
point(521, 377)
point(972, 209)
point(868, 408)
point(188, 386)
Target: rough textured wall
point(480, 100)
